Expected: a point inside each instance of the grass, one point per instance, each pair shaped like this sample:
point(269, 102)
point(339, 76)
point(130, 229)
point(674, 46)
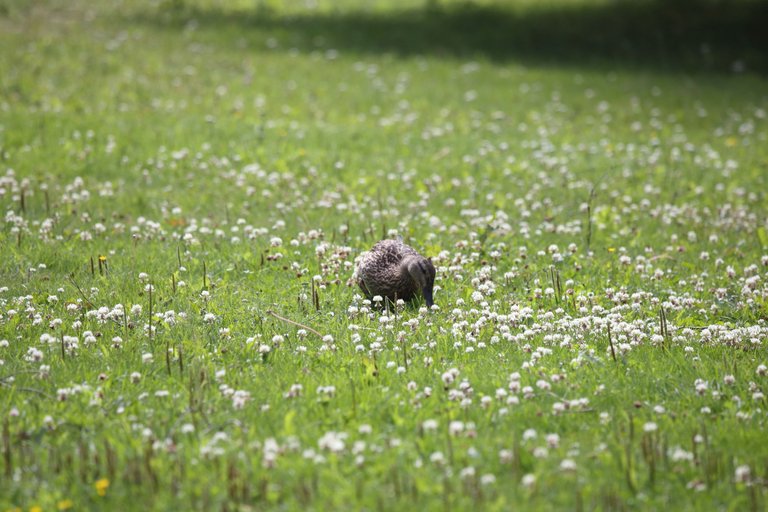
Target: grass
point(178, 176)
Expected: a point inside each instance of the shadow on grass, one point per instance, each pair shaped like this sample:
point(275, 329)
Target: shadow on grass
point(662, 35)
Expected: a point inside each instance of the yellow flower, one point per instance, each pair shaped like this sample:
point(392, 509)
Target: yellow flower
point(102, 258)
point(101, 486)
point(65, 504)
point(35, 508)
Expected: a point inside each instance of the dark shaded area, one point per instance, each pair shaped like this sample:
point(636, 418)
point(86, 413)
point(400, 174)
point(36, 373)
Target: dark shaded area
point(665, 35)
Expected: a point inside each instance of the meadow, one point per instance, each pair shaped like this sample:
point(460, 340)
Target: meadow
point(185, 187)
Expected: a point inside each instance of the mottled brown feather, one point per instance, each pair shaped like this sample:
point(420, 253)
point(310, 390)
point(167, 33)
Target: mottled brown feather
point(380, 271)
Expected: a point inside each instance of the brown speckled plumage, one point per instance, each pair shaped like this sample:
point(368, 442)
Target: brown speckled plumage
point(394, 270)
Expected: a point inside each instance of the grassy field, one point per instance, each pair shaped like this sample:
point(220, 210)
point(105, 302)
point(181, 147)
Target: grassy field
point(182, 182)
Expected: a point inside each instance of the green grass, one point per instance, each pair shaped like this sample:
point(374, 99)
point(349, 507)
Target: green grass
point(578, 171)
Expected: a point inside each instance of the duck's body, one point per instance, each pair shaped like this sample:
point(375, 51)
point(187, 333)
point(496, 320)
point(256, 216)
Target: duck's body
point(394, 271)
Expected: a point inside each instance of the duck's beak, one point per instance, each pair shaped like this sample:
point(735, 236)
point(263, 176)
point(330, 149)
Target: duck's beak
point(427, 292)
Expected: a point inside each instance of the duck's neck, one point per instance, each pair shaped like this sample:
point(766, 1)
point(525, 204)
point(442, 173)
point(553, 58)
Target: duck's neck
point(407, 272)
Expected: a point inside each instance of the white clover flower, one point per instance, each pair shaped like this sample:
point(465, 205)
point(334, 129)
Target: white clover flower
point(528, 480)
point(743, 474)
point(678, 454)
point(455, 428)
point(332, 442)
point(701, 386)
point(437, 458)
point(488, 479)
point(429, 425)
point(239, 399)
point(506, 456)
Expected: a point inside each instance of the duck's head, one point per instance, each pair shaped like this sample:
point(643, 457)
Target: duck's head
point(422, 271)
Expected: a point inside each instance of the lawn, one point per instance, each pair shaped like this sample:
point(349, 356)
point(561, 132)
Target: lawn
point(187, 184)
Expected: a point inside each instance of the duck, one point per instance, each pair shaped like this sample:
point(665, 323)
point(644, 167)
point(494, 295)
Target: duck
point(394, 270)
